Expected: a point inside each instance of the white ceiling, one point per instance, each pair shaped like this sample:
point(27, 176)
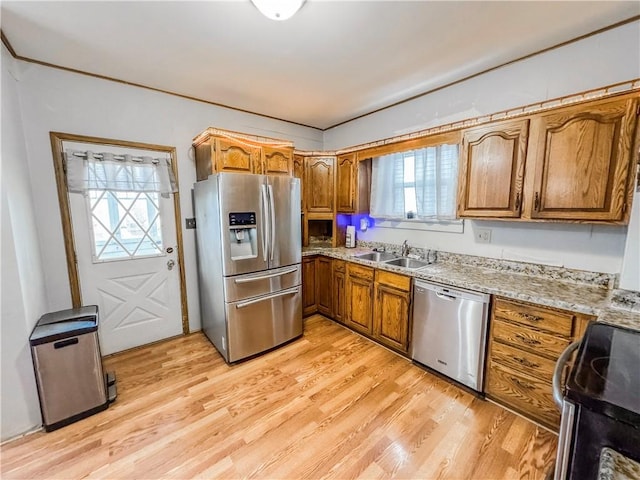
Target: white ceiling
point(333, 61)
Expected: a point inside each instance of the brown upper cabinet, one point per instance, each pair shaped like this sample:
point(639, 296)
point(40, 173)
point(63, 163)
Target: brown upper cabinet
point(492, 170)
point(216, 153)
point(583, 161)
point(318, 182)
point(277, 161)
point(575, 163)
point(353, 184)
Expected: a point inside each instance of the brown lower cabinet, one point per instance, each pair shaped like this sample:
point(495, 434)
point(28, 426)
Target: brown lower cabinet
point(392, 315)
point(373, 302)
point(309, 304)
point(524, 343)
point(324, 274)
point(339, 285)
point(359, 296)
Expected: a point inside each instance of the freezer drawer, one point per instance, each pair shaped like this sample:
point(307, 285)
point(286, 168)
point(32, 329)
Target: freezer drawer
point(260, 323)
point(262, 283)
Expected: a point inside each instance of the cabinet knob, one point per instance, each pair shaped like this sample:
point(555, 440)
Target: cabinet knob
point(536, 202)
point(517, 206)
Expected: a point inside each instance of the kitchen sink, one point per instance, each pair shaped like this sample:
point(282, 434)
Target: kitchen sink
point(376, 256)
point(410, 263)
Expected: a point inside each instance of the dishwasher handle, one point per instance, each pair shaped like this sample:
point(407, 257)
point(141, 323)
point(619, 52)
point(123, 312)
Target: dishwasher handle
point(445, 292)
point(443, 296)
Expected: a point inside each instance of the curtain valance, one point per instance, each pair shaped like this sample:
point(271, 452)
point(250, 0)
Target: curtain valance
point(124, 173)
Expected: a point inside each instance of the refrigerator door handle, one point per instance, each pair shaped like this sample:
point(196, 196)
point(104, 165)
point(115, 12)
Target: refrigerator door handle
point(264, 277)
point(265, 223)
point(272, 215)
point(268, 297)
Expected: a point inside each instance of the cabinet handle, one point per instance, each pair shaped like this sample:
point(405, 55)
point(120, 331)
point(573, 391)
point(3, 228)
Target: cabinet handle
point(531, 318)
point(517, 206)
point(520, 383)
point(528, 341)
point(536, 202)
point(525, 362)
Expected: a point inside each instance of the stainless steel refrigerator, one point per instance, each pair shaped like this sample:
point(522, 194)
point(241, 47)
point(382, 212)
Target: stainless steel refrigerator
point(249, 254)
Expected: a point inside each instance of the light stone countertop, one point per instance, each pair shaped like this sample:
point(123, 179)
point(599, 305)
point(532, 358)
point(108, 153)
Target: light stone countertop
point(615, 466)
point(580, 298)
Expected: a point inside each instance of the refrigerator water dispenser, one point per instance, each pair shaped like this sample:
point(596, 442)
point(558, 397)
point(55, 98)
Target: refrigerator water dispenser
point(242, 235)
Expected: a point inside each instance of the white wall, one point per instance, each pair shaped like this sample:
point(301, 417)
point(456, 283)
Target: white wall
point(56, 100)
point(630, 275)
point(22, 282)
point(600, 60)
point(597, 61)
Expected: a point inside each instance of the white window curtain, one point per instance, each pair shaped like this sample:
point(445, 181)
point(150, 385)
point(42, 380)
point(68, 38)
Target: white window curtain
point(426, 178)
point(122, 173)
point(387, 187)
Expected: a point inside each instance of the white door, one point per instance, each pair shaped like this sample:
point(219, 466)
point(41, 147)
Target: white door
point(127, 258)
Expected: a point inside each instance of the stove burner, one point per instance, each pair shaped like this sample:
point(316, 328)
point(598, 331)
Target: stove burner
point(600, 365)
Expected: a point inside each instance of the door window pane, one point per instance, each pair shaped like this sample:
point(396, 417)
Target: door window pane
point(124, 224)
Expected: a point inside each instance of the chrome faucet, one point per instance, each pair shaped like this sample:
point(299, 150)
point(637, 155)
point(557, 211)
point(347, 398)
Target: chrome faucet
point(404, 250)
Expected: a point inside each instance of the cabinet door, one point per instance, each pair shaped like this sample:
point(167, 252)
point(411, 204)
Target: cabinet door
point(338, 295)
point(236, 157)
point(582, 162)
point(324, 290)
point(492, 170)
point(359, 291)
point(319, 178)
point(346, 183)
point(298, 172)
point(391, 317)
point(309, 305)
point(277, 161)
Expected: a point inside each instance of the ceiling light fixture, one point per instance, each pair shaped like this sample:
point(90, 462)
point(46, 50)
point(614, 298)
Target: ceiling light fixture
point(278, 9)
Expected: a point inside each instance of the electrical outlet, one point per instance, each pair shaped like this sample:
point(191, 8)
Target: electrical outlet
point(483, 235)
point(190, 223)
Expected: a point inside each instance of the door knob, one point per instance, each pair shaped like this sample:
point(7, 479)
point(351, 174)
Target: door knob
point(170, 264)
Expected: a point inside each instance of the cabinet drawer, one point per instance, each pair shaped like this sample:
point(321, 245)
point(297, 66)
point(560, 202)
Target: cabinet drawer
point(339, 265)
point(527, 395)
point(360, 271)
point(542, 318)
point(395, 280)
point(522, 362)
point(528, 339)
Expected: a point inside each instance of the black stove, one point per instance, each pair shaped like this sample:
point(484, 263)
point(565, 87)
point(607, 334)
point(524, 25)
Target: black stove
point(603, 394)
point(606, 375)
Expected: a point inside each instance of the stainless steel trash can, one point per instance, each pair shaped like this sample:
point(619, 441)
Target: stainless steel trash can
point(68, 366)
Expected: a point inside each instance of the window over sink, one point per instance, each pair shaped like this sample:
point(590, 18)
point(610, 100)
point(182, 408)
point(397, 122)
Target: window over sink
point(416, 186)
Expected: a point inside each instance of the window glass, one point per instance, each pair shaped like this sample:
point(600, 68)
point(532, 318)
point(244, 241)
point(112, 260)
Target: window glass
point(124, 224)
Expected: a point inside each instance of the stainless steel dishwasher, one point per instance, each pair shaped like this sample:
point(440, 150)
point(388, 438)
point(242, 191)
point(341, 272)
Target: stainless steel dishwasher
point(450, 331)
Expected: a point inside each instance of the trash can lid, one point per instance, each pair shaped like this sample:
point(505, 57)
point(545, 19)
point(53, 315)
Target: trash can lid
point(65, 323)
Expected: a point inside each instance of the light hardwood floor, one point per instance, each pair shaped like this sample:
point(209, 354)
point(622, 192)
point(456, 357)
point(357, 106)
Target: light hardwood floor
point(329, 405)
